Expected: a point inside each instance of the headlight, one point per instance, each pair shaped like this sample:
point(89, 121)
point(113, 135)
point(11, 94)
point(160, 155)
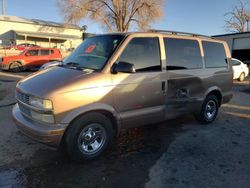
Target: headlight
point(48, 118)
point(41, 103)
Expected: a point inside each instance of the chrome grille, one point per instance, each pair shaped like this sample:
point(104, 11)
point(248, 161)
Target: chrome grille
point(22, 97)
point(25, 110)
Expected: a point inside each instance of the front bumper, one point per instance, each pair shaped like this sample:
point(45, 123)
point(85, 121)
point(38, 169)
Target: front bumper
point(47, 134)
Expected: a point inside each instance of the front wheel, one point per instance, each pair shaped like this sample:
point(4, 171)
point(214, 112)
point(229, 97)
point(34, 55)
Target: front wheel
point(209, 110)
point(88, 136)
point(15, 67)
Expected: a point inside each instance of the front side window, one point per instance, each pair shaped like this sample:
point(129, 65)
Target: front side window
point(32, 53)
point(182, 54)
point(143, 53)
point(215, 55)
point(94, 52)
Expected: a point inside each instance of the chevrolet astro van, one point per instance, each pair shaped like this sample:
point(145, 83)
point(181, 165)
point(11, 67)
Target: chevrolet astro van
point(121, 80)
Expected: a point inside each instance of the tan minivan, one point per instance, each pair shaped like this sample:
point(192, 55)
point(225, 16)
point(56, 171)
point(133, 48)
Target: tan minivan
point(117, 81)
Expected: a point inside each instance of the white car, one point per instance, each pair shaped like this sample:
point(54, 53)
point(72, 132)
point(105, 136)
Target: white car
point(240, 70)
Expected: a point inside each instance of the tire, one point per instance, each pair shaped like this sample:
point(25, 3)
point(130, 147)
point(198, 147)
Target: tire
point(15, 67)
point(88, 136)
point(209, 110)
point(242, 77)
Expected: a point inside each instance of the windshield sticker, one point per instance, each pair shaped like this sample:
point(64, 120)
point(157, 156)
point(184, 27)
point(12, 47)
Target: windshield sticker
point(90, 49)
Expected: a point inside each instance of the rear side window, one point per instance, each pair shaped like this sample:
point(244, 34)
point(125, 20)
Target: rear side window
point(215, 55)
point(44, 52)
point(182, 54)
point(143, 53)
point(235, 62)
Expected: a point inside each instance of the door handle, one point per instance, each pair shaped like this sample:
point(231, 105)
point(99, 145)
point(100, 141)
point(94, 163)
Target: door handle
point(182, 93)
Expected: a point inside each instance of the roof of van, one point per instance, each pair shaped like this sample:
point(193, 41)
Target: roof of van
point(163, 32)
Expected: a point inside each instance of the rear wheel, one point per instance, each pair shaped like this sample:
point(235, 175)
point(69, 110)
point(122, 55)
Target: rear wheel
point(209, 110)
point(242, 77)
point(15, 67)
point(88, 136)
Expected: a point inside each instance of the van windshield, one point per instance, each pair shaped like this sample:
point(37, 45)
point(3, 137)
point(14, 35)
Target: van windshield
point(93, 53)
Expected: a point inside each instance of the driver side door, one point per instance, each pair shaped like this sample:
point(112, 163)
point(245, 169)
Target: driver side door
point(139, 96)
point(31, 58)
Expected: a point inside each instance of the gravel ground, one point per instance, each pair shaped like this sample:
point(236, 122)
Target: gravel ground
point(176, 153)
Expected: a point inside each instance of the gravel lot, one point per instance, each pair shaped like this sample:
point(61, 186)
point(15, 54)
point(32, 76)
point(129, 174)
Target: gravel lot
point(176, 153)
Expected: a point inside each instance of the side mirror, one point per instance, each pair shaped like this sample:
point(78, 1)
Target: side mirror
point(123, 67)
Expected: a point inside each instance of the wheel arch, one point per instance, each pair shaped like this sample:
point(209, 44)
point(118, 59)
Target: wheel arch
point(108, 114)
point(104, 109)
point(13, 61)
point(215, 91)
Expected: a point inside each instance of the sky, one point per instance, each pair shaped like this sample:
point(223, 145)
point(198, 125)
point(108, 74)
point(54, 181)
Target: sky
point(197, 16)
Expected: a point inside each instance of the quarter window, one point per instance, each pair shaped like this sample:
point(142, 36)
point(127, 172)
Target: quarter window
point(182, 54)
point(215, 55)
point(143, 53)
point(235, 62)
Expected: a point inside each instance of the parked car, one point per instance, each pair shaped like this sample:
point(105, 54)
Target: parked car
point(30, 58)
point(117, 81)
point(240, 70)
point(21, 47)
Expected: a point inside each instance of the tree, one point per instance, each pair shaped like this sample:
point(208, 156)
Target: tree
point(238, 19)
point(115, 15)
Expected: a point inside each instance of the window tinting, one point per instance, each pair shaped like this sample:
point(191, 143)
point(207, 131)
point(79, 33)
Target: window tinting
point(44, 52)
point(33, 52)
point(143, 53)
point(235, 62)
point(182, 54)
point(215, 55)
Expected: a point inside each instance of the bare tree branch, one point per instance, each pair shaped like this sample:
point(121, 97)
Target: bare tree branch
point(238, 19)
point(115, 15)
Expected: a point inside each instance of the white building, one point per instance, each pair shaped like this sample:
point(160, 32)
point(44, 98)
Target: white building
point(239, 44)
point(16, 30)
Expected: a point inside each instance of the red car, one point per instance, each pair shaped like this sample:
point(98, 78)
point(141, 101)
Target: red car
point(21, 47)
point(30, 58)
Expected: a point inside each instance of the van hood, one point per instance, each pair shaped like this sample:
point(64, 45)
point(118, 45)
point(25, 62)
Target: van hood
point(43, 83)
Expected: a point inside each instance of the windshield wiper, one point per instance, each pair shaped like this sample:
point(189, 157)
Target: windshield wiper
point(74, 65)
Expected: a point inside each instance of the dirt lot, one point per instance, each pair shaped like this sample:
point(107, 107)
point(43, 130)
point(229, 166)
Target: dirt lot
point(176, 153)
